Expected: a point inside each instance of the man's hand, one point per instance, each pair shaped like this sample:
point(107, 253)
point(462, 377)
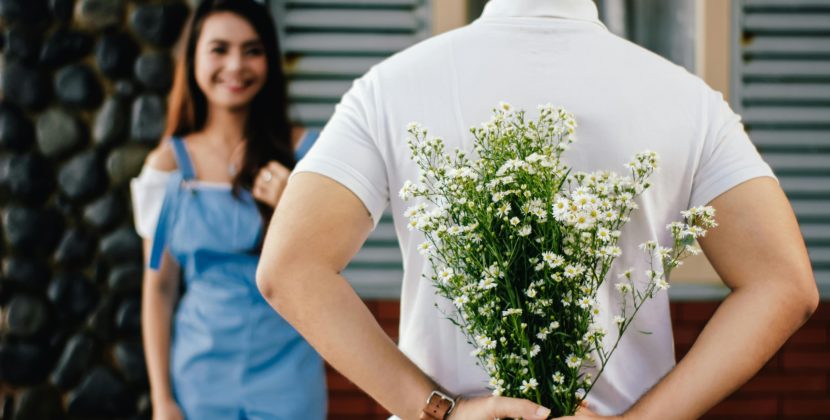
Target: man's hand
point(497, 407)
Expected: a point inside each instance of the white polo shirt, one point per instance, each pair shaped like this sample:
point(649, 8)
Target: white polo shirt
point(625, 99)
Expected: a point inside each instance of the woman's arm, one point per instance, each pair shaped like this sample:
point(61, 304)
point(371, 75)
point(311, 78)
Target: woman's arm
point(160, 291)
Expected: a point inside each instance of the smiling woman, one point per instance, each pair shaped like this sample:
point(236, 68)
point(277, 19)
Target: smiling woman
point(201, 203)
point(227, 46)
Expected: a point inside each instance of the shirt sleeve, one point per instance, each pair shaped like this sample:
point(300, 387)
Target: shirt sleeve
point(147, 192)
point(347, 150)
point(728, 157)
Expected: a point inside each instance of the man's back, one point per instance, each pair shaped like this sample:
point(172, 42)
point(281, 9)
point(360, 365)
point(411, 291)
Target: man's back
point(625, 100)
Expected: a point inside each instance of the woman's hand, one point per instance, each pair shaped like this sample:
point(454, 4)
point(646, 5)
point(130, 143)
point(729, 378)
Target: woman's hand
point(497, 407)
point(270, 183)
point(502, 407)
point(585, 413)
point(167, 410)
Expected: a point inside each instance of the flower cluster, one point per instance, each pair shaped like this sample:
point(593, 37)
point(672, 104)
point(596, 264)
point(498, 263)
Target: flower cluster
point(520, 244)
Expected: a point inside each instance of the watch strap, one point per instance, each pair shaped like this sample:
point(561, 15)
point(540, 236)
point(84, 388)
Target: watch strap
point(438, 407)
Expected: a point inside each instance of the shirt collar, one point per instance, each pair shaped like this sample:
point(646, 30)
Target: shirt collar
point(584, 10)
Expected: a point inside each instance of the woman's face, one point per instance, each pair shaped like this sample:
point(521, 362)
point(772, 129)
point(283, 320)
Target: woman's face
point(230, 62)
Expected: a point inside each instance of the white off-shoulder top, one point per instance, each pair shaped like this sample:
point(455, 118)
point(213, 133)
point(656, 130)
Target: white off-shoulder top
point(147, 192)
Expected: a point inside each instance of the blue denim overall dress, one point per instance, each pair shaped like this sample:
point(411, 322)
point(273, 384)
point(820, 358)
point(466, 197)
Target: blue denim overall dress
point(232, 356)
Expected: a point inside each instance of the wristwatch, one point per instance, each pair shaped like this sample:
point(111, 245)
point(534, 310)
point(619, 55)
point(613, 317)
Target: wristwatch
point(438, 407)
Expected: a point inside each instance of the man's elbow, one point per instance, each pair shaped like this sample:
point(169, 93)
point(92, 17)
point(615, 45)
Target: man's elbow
point(803, 294)
point(268, 281)
point(810, 297)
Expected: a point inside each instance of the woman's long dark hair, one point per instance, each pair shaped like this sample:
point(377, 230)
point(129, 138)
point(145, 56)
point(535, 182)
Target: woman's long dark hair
point(267, 130)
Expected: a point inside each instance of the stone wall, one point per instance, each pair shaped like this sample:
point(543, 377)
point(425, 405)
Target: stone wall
point(84, 86)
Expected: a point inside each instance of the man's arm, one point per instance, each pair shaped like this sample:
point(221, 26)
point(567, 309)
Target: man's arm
point(758, 251)
point(318, 226)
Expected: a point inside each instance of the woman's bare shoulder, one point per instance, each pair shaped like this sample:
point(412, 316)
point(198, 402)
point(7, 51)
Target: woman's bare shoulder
point(162, 157)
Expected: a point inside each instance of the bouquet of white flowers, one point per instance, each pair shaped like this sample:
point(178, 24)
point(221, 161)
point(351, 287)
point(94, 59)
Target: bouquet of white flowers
point(520, 244)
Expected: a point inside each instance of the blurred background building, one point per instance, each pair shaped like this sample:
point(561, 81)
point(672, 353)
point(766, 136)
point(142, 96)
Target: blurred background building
point(84, 86)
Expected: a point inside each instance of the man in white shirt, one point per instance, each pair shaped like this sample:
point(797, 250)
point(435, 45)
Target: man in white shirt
point(625, 100)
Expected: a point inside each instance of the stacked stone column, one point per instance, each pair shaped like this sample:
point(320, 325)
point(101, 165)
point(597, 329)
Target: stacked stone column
point(84, 85)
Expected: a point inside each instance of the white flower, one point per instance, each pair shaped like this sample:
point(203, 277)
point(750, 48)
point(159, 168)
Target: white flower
point(411, 211)
point(663, 252)
point(584, 221)
point(573, 361)
point(561, 209)
point(511, 311)
point(487, 283)
point(515, 221)
point(675, 228)
point(406, 191)
point(460, 301)
point(498, 386)
point(619, 320)
point(694, 231)
point(584, 201)
point(572, 271)
point(424, 222)
point(609, 215)
point(579, 394)
point(558, 377)
point(623, 287)
point(535, 350)
point(445, 274)
point(662, 284)
point(525, 230)
point(494, 271)
point(611, 251)
point(529, 385)
point(424, 248)
point(486, 342)
point(585, 303)
point(498, 196)
point(648, 245)
point(692, 250)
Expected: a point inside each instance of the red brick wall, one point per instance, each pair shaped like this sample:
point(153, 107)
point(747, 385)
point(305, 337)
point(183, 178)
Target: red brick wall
point(346, 401)
point(795, 384)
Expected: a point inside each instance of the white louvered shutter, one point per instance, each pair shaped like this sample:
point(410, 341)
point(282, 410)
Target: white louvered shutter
point(328, 44)
point(781, 86)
